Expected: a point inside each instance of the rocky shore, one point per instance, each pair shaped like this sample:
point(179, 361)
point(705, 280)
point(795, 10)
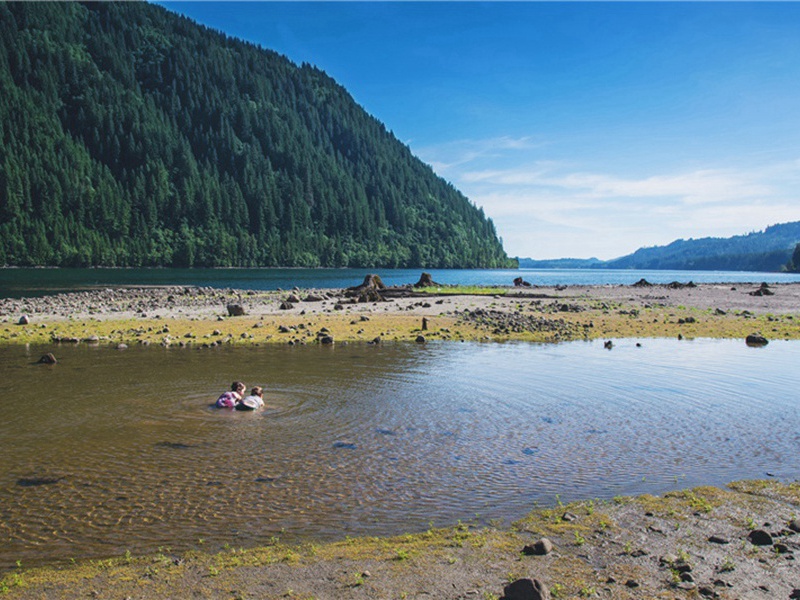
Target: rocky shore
point(206, 317)
point(735, 543)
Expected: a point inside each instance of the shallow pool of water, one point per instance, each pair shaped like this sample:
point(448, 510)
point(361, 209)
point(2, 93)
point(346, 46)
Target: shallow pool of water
point(109, 450)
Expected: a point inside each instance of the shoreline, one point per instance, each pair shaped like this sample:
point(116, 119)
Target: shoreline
point(733, 542)
point(198, 317)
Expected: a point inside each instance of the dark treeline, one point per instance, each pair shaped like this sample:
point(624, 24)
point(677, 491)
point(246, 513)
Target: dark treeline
point(767, 250)
point(130, 136)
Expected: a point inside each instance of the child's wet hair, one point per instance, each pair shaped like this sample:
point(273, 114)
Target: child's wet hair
point(257, 391)
point(237, 386)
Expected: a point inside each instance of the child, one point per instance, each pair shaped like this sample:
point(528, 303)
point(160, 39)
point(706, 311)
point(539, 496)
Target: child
point(232, 398)
point(253, 401)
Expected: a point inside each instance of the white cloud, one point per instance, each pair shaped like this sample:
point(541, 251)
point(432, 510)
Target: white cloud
point(549, 209)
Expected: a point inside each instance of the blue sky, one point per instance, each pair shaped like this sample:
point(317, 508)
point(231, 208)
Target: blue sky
point(582, 129)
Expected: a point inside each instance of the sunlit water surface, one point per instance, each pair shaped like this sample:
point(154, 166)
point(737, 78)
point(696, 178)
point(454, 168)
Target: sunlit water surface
point(109, 450)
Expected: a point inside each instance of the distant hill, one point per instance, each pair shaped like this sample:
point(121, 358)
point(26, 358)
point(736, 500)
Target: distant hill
point(769, 250)
point(560, 263)
point(132, 136)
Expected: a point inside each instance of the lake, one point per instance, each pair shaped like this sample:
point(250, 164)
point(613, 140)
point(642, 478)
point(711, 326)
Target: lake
point(15, 283)
point(110, 451)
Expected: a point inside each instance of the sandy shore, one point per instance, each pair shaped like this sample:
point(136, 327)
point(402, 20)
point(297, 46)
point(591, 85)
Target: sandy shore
point(688, 544)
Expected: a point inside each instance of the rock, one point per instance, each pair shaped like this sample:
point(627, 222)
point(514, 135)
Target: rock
point(569, 517)
point(759, 537)
point(794, 525)
point(122, 346)
point(284, 329)
point(756, 339)
point(632, 583)
point(716, 539)
point(782, 548)
point(538, 548)
point(376, 340)
point(420, 339)
point(47, 359)
point(525, 589)
point(313, 298)
point(326, 340)
point(235, 310)
point(520, 282)
point(293, 299)
point(286, 306)
point(608, 344)
point(763, 290)
point(338, 306)
point(24, 320)
point(642, 283)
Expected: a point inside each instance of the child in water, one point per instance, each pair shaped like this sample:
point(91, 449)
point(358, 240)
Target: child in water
point(232, 398)
point(253, 401)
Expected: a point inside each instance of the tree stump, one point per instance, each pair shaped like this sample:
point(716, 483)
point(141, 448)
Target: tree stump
point(425, 280)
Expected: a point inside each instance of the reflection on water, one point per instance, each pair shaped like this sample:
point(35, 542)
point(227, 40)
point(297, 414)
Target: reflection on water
point(109, 451)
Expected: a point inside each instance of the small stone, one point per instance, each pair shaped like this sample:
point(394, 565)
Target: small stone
point(286, 306)
point(632, 583)
point(48, 359)
point(794, 525)
point(569, 517)
point(687, 577)
point(538, 548)
point(122, 346)
point(420, 339)
point(759, 537)
point(716, 539)
point(781, 548)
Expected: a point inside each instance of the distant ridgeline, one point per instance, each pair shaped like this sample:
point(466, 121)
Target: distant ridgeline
point(131, 136)
point(770, 250)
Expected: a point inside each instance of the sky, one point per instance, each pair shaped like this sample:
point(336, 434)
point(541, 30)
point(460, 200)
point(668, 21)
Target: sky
point(583, 129)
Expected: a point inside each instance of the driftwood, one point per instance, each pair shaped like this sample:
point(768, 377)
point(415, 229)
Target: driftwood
point(425, 280)
point(368, 291)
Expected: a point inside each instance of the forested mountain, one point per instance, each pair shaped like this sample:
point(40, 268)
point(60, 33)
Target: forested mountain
point(768, 250)
point(132, 136)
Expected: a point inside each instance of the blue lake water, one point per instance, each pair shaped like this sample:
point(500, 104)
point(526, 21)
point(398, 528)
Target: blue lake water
point(15, 283)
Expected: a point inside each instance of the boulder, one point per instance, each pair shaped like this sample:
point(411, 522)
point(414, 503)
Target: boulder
point(235, 310)
point(756, 339)
point(286, 306)
point(642, 283)
point(420, 339)
point(293, 299)
point(538, 548)
point(525, 589)
point(759, 537)
point(24, 320)
point(313, 298)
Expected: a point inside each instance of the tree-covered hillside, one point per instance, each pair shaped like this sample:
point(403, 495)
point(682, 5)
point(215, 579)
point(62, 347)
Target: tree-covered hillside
point(767, 250)
point(132, 136)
